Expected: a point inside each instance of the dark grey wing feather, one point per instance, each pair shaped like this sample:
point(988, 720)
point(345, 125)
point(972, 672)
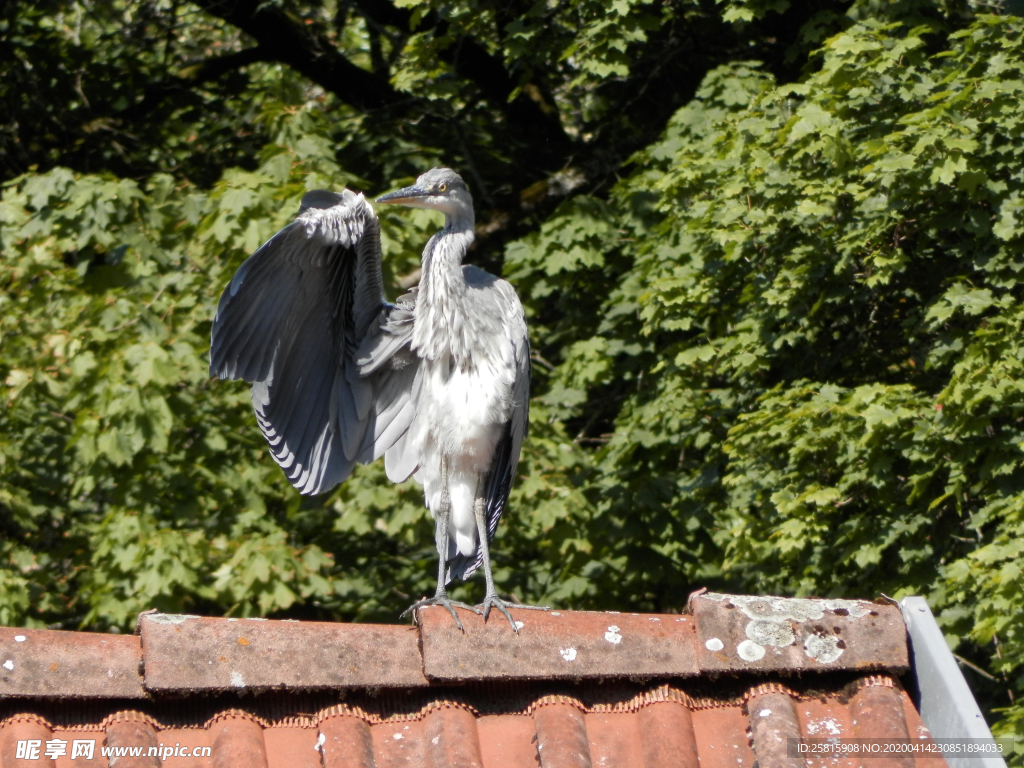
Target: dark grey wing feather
point(242, 352)
point(385, 355)
point(390, 335)
point(292, 321)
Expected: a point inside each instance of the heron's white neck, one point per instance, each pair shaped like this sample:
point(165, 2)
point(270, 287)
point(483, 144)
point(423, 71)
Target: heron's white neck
point(439, 324)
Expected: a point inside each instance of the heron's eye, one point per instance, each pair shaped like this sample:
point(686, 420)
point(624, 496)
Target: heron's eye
point(442, 187)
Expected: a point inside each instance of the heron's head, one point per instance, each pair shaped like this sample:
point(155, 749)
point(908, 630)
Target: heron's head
point(439, 189)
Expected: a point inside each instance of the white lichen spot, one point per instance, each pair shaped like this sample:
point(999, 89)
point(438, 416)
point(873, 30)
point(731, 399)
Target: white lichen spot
point(569, 654)
point(777, 633)
point(793, 608)
point(654, 618)
point(612, 635)
point(436, 740)
point(19, 638)
point(9, 665)
point(825, 725)
point(397, 737)
point(169, 618)
point(519, 625)
point(823, 648)
point(554, 613)
point(714, 644)
point(750, 651)
point(779, 608)
point(320, 741)
point(764, 713)
point(236, 680)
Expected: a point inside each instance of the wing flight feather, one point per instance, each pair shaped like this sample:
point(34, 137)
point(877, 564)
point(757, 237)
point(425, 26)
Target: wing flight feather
point(293, 320)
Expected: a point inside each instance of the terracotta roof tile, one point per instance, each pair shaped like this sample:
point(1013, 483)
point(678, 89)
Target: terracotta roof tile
point(292, 747)
point(786, 634)
point(613, 738)
point(41, 662)
point(773, 722)
point(667, 735)
point(171, 738)
point(725, 633)
point(507, 740)
point(562, 738)
point(451, 739)
point(560, 731)
point(877, 712)
point(24, 727)
point(189, 653)
point(639, 690)
point(398, 743)
point(238, 741)
point(557, 645)
point(65, 761)
point(129, 733)
point(346, 742)
point(721, 737)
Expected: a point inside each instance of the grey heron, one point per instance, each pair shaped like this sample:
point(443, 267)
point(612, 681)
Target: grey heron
point(438, 383)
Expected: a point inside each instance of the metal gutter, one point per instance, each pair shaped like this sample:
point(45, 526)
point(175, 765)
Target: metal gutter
point(947, 705)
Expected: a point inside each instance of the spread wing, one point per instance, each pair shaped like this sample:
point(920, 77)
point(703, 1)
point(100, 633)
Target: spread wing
point(292, 321)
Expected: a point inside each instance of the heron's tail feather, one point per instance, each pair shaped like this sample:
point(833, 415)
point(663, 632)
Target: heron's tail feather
point(461, 567)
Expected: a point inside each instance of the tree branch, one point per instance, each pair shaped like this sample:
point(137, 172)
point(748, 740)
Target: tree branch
point(285, 39)
point(528, 112)
point(211, 69)
point(190, 76)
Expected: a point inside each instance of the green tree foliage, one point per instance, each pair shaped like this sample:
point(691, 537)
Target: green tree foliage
point(770, 253)
point(809, 360)
point(130, 479)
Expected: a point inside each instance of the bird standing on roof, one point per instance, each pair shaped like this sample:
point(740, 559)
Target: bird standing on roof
point(437, 383)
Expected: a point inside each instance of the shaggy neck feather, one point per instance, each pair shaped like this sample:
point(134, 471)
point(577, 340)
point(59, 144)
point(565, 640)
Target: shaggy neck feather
point(440, 324)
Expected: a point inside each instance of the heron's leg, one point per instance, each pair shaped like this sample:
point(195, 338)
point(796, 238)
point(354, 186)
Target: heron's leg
point(443, 514)
point(491, 598)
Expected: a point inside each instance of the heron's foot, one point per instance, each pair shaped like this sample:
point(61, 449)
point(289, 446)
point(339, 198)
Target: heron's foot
point(442, 600)
point(493, 601)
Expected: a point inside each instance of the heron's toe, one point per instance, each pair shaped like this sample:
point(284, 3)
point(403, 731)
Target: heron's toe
point(493, 601)
point(444, 601)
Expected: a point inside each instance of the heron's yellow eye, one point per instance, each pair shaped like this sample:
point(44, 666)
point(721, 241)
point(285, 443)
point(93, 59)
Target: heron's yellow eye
point(442, 187)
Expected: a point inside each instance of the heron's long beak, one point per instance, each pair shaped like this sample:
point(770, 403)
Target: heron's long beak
point(406, 195)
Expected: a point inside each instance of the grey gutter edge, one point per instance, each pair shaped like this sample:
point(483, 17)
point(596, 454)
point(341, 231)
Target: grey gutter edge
point(948, 707)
